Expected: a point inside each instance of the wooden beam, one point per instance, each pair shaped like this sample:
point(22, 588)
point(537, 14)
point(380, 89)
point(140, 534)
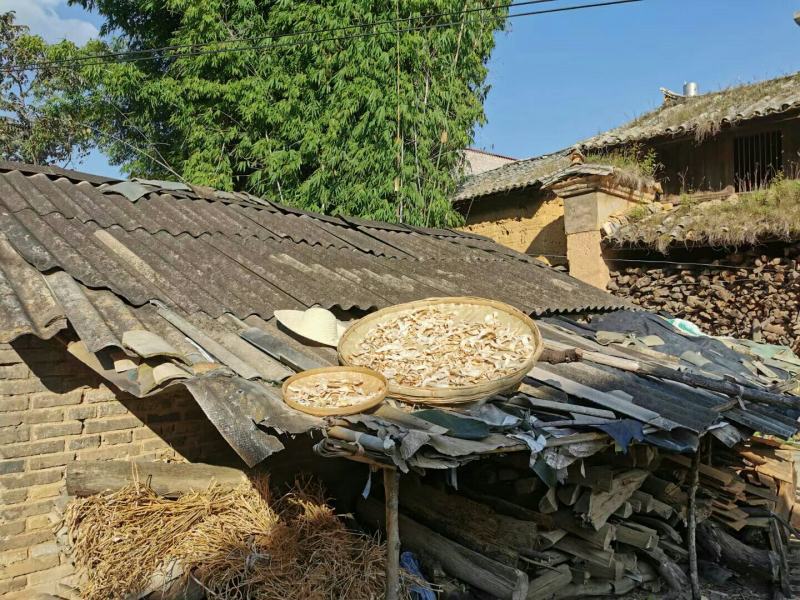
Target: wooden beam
point(548, 584)
point(391, 487)
point(694, 482)
point(166, 479)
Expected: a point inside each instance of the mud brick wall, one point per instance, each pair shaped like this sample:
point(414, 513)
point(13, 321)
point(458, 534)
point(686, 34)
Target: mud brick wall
point(53, 411)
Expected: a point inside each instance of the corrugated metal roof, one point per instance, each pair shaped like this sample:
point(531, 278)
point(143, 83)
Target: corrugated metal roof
point(707, 112)
point(166, 289)
point(234, 255)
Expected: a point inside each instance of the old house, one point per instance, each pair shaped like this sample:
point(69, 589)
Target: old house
point(136, 323)
point(120, 315)
point(739, 139)
point(477, 161)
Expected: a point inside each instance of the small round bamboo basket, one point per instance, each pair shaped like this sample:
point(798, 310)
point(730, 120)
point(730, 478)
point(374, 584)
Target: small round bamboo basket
point(467, 308)
point(374, 384)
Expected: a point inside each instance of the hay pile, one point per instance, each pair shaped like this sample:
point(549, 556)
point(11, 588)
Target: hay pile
point(237, 544)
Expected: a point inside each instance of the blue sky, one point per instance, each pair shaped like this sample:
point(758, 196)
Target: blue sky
point(559, 78)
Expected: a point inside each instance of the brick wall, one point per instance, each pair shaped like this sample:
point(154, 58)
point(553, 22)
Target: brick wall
point(54, 410)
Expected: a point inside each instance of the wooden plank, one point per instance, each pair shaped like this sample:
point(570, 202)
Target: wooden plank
point(601, 505)
point(638, 537)
point(597, 477)
point(166, 479)
point(549, 583)
point(577, 438)
point(600, 538)
point(569, 494)
point(577, 547)
point(723, 477)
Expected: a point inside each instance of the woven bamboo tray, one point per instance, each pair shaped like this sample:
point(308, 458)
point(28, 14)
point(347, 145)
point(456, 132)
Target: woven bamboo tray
point(374, 383)
point(468, 308)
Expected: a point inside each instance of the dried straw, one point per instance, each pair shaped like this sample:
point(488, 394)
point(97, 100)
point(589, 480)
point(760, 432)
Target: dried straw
point(236, 543)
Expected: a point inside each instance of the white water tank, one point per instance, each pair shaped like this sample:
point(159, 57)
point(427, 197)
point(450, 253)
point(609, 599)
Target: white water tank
point(690, 88)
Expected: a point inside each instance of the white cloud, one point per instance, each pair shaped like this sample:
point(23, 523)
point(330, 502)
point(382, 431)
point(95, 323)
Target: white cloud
point(43, 19)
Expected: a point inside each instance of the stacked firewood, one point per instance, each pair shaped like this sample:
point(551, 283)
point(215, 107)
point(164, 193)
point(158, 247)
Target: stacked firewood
point(613, 523)
point(743, 295)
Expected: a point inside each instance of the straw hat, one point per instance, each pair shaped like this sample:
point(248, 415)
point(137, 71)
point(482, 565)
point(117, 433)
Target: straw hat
point(316, 324)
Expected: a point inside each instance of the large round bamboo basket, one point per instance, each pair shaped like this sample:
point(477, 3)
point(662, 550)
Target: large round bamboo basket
point(374, 383)
point(468, 308)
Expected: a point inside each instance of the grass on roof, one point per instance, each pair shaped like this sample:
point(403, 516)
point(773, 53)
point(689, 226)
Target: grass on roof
point(707, 112)
point(769, 214)
point(635, 167)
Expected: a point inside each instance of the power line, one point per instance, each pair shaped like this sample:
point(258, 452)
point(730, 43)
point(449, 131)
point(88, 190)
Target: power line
point(76, 62)
point(291, 34)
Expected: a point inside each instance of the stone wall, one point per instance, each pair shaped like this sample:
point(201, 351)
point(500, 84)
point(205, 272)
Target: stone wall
point(53, 411)
point(524, 221)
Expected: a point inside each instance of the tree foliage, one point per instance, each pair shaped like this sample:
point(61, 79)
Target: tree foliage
point(35, 125)
point(338, 122)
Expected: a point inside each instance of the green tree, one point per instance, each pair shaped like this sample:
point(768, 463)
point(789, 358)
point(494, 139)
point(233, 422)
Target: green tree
point(338, 122)
point(36, 126)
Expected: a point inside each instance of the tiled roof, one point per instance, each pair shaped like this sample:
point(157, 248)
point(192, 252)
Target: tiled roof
point(716, 219)
point(698, 116)
point(706, 113)
point(536, 173)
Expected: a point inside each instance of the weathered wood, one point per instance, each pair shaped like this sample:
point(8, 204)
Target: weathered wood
point(721, 547)
point(663, 529)
point(694, 481)
point(637, 536)
point(462, 563)
point(599, 506)
point(577, 547)
point(600, 538)
point(504, 507)
point(549, 583)
point(391, 487)
point(548, 503)
point(597, 477)
point(624, 511)
point(671, 573)
point(166, 479)
point(569, 494)
point(470, 523)
point(724, 477)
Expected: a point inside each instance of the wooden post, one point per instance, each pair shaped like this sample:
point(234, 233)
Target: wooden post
point(391, 487)
point(692, 534)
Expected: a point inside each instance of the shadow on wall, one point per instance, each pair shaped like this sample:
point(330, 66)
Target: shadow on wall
point(172, 415)
point(550, 241)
